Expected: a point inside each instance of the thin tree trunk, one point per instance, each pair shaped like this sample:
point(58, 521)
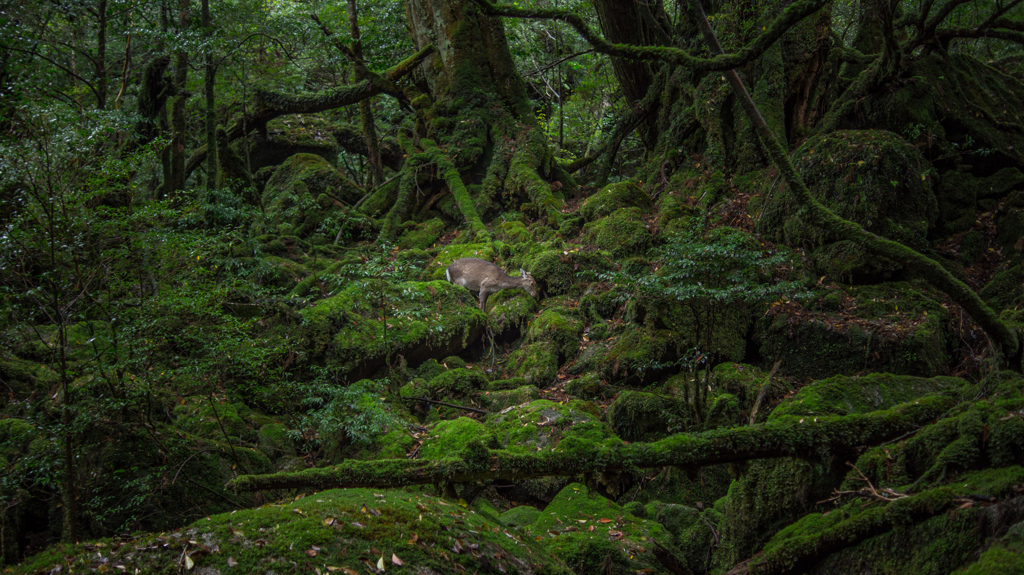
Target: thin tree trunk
point(177, 181)
point(101, 58)
point(365, 107)
point(211, 122)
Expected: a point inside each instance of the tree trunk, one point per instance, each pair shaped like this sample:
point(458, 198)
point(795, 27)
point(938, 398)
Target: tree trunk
point(365, 106)
point(101, 57)
point(211, 122)
point(177, 168)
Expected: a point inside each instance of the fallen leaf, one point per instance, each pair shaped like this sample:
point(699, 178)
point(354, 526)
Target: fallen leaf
point(311, 552)
point(380, 563)
point(232, 562)
point(396, 560)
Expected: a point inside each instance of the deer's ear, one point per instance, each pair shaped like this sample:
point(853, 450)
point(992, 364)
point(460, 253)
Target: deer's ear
point(523, 272)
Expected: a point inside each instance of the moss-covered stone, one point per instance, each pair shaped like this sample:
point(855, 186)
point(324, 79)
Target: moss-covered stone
point(898, 328)
point(339, 530)
point(24, 377)
point(623, 232)
point(425, 320)
point(520, 516)
point(536, 363)
point(874, 178)
point(282, 193)
point(561, 327)
point(614, 196)
point(642, 416)
point(631, 357)
point(619, 543)
point(510, 310)
point(198, 416)
point(498, 400)
point(422, 235)
point(1010, 234)
point(449, 437)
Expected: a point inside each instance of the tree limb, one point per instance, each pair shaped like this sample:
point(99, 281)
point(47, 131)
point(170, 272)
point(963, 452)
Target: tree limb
point(785, 437)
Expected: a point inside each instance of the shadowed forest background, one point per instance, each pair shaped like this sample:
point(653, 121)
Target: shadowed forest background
point(778, 245)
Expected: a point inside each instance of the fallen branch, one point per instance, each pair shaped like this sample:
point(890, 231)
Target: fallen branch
point(793, 436)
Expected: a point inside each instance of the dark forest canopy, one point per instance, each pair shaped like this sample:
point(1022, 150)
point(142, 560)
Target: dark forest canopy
point(778, 248)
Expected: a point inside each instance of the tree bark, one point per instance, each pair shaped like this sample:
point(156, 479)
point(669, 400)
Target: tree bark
point(365, 106)
point(178, 120)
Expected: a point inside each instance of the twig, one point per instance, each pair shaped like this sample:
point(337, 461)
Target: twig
point(445, 404)
point(764, 390)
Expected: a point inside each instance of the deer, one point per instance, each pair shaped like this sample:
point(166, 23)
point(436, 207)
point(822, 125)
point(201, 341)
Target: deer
point(482, 276)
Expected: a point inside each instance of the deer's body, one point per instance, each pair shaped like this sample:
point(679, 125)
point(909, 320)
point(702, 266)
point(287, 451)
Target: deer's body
point(482, 276)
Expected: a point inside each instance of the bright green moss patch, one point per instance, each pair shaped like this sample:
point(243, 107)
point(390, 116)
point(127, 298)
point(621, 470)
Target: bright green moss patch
point(614, 196)
point(330, 531)
point(510, 309)
point(631, 356)
point(845, 395)
point(641, 416)
point(423, 320)
point(1006, 290)
point(622, 541)
point(448, 438)
point(543, 423)
point(536, 363)
point(499, 400)
point(559, 326)
point(520, 516)
point(624, 232)
point(422, 235)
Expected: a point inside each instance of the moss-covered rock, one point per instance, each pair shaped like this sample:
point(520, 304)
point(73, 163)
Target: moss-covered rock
point(614, 196)
point(499, 400)
point(448, 438)
point(958, 194)
point(898, 328)
point(421, 235)
point(1010, 234)
point(274, 442)
point(335, 530)
point(874, 178)
point(623, 232)
point(24, 377)
point(197, 415)
point(536, 363)
point(317, 176)
point(510, 310)
point(642, 416)
point(520, 516)
point(632, 357)
point(425, 320)
point(561, 327)
point(619, 543)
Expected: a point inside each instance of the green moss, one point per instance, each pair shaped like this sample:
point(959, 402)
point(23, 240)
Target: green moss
point(614, 196)
point(543, 423)
point(510, 309)
point(1010, 233)
point(520, 516)
point(559, 326)
point(590, 386)
point(514, 232)
point(623, 232)
point(641, 416)
point(342, 529)
point(845, 395)
point(456, 382)
point(498, 400)
point(898, 328)
point(619, 543)
point(274, 442)
point(424, 320)
point(631, 357)
point(536, 363)
point(23, 377)
point(316, 177)
point(450, 437)
point(422, 235)
point(873, 178)
point(507, 384)
point(197, 416)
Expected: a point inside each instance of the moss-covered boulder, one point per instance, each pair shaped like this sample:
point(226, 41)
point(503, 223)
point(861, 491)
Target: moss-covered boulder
point(642, 416)
point(421, 235)
point(351, 530)
point(501, 399)
point(898, 328)
point(448, 438)
point(619, 543)
point(535, 363)
point(425, 320)
point(520, 516)
point(958, 194)
point(1006, 290)
point(874, 178)
point(632, 357)
point(559, 326)
point(1010, 234)
point(24, 377)
point(199, 416)
point(283, 197)
point(614, 196)
point(623, 232)
point(509, 311)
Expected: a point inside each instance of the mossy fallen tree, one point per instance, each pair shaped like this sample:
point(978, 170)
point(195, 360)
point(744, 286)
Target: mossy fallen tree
point(798, 554)
point(803, 437)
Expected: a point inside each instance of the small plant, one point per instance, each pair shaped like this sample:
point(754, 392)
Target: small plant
point(354, 414)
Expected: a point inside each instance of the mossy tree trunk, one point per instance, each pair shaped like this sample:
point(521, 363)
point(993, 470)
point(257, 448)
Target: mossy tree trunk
point(476, 128)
